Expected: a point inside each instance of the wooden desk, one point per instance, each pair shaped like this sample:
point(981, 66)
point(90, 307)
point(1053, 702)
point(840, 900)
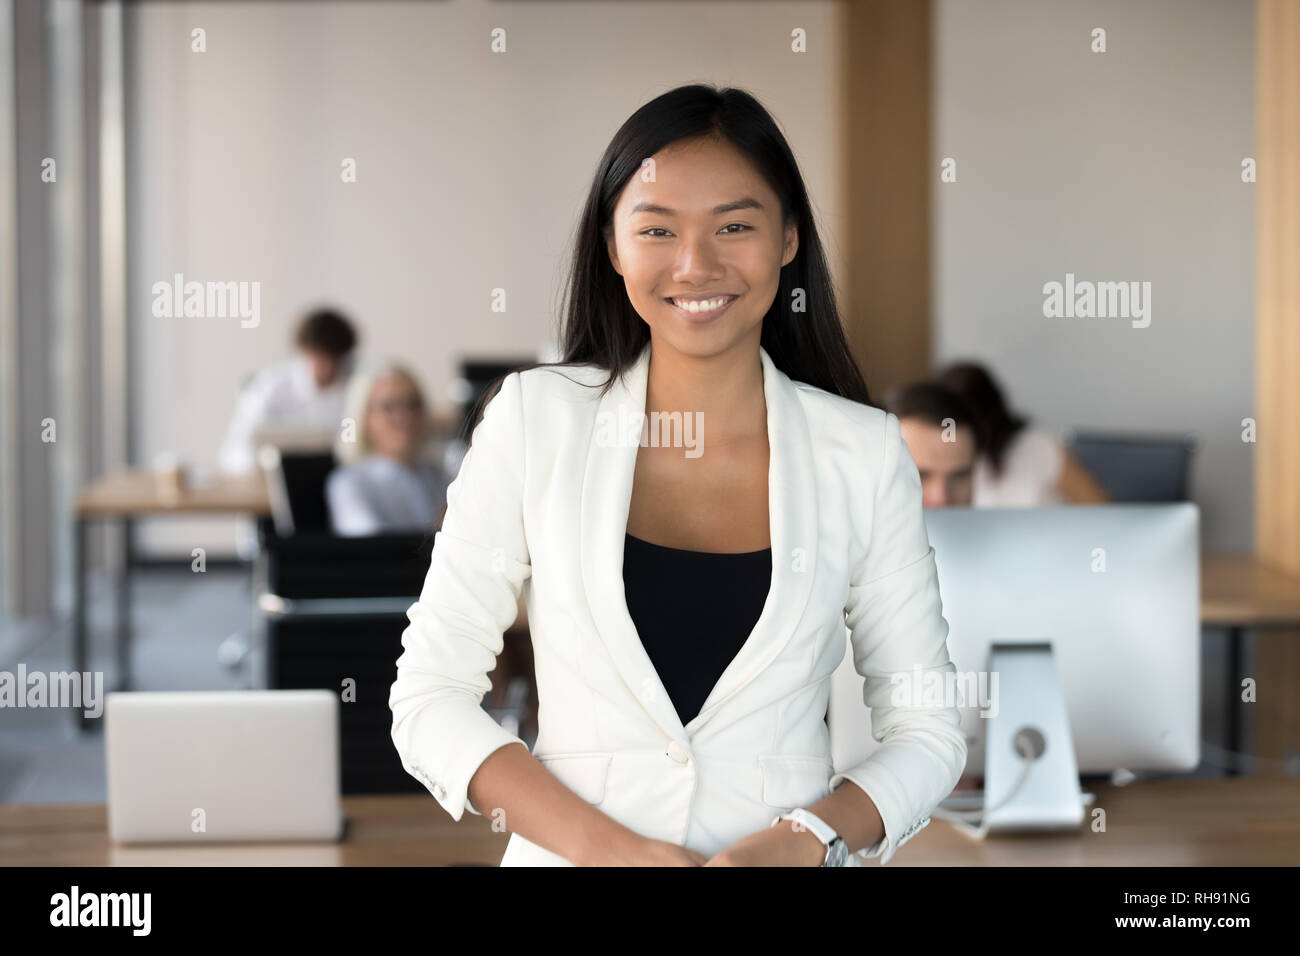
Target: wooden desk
point(136, 494)
point(129, 495)
point(1243, 821)
point(1222, 821)
point(1239, 592)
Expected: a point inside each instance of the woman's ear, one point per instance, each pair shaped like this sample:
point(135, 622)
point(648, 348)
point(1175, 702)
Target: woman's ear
point(611, 247)
point(791, 244)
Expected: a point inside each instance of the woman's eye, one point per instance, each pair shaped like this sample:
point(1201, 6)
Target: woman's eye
point(739, 226)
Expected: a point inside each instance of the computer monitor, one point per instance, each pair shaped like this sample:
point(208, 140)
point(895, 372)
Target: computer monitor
point(476, 376)
point(1114, 589)
point(288, 437)
point(1136, 468)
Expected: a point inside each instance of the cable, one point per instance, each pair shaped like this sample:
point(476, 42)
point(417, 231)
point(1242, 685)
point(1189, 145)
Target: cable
point(953, 815)
point(959, 818)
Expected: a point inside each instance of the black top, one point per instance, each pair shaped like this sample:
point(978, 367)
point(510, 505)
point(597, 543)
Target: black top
point(693, 610)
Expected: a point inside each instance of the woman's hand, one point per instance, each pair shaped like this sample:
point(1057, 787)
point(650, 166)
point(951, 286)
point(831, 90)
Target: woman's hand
point(780, 845)
point(636, 850)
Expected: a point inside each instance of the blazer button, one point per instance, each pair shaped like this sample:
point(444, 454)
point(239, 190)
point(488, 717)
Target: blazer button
point(678, 753)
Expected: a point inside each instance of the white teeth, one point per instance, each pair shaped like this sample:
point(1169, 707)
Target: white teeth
point(705, 305)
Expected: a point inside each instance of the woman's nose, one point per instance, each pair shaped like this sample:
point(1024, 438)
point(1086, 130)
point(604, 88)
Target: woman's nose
point(696, 260)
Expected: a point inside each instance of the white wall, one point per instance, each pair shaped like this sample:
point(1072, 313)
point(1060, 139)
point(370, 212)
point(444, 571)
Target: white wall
point(472, 171)
point(473, 166)
point(1116, 166)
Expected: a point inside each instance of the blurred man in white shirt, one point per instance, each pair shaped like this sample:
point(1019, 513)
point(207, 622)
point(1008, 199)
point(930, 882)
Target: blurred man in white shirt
point(306, 391)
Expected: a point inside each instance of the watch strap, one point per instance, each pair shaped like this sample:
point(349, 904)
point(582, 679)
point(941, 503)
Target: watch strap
point(815, 825)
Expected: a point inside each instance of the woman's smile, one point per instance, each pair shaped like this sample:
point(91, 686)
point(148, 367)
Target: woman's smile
point(694, 309)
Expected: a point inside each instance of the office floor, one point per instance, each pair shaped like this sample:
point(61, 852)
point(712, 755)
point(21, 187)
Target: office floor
point(180, 621)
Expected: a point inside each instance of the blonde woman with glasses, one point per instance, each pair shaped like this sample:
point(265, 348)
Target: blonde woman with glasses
point(386, 481)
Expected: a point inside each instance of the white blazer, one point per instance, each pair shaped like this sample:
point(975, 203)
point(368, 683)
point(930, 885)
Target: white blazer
point(541, 505)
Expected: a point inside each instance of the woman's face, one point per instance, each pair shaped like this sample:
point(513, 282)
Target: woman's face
point(394, 419)
point(706, 228)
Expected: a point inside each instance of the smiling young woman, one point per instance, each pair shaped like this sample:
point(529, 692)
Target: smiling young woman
point(686, 610)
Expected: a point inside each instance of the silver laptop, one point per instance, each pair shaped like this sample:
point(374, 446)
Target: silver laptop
point(223, 766)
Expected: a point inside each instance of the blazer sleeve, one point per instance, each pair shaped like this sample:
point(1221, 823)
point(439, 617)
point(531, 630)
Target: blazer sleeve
point(898, 639)
point(470, 596)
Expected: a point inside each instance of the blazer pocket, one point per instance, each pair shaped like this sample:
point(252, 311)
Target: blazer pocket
point(584, 774)
point(795, 781)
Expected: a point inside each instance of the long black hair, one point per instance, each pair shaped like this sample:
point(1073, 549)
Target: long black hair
point(997, 423)
point(598, 324)
point(600, 327)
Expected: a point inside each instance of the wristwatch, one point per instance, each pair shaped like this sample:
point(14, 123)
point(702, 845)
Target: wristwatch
point(837, 851)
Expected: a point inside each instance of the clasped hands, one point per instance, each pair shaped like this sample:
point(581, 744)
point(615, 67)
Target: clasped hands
point(781, 845)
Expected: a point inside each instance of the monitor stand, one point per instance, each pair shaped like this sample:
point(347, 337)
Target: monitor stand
point(1031, 718)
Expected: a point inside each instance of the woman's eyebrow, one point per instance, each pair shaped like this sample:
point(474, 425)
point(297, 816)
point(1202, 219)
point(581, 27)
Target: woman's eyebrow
point(746, 203)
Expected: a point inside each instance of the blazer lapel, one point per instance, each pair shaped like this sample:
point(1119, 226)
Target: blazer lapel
point(792, 513)
point(606, 501)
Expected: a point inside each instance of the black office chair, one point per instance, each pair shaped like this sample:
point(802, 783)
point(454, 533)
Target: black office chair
point(334, 609)
point(295, 482)
point(1136, 467)
point(323, 566)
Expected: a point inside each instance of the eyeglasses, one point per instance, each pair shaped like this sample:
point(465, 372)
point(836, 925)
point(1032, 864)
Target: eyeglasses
point(394, 405)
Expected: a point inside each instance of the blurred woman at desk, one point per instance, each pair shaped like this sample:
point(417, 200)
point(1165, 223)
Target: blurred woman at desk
point(386, 482)
point(1022, 465)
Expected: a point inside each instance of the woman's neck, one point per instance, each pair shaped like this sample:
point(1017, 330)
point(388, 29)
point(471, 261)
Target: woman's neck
point(395, 457)
point(726, 389)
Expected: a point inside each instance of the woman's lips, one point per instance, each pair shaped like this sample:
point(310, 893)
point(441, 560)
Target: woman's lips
point(700, 317)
